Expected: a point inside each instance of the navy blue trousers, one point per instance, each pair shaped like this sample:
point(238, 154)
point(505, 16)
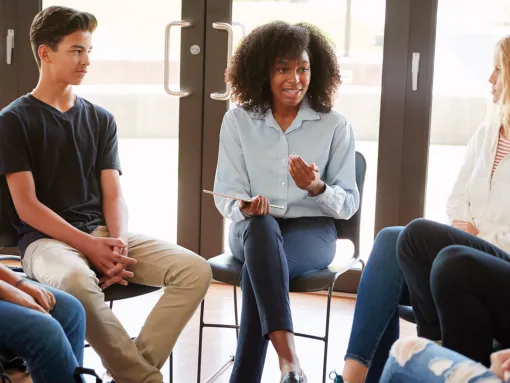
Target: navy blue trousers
point(273, 251)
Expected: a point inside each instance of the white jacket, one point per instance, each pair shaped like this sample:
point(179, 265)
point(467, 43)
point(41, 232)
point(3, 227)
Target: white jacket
point(477, 198)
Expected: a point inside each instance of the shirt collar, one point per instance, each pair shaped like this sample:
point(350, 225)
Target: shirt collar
point(305, 113)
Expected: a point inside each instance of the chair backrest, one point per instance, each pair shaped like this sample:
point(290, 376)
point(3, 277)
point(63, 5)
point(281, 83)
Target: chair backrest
point(8, 235)
point(351, 228)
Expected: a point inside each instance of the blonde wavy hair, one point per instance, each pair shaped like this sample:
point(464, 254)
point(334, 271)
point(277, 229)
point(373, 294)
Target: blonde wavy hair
point(504, 100)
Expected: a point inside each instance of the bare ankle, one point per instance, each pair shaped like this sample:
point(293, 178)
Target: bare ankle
point(354, 371)
point(283, 342)
point(289, 365)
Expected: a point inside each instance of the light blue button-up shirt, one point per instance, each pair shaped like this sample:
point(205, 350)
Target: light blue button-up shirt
point(253, 159)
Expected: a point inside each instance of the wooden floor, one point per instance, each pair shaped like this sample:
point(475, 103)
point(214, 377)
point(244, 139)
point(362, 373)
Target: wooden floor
point(309, 317)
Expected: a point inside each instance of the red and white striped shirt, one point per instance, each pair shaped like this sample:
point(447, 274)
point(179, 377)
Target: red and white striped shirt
point(503, 150)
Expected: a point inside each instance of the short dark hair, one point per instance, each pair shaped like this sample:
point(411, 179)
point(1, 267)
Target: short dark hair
point(250, 70)
point(51, 25)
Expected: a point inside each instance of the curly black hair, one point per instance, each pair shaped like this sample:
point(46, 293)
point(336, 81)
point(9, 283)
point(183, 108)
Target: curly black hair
point(250, 70)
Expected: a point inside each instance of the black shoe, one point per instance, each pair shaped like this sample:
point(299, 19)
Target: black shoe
point(294, 377)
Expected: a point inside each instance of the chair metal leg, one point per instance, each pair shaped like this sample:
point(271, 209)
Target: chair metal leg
point(236, 315)
point(362, 265)
point(220, 371)
point(171, 367)
point(200, 340)
point(199, 368)
point(326, 337)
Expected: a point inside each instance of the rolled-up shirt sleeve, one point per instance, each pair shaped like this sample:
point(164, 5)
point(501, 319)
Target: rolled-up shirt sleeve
point(231, 173)
point(340, 199)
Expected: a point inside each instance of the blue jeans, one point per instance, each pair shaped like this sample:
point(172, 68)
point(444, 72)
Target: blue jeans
point(376, 321)
point(51, 346)
point(418, 360)
point(273, 252)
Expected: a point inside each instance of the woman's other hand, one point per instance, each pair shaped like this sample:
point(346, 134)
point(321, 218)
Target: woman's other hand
point(306, 177)
point(468, 227)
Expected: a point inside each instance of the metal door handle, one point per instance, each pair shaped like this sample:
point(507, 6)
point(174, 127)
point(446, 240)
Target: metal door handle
point(415, 70)
point(225, 27)
point(182, 24)
point(10, 45)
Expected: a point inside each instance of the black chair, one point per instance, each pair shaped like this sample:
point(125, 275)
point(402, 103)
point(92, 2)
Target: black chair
point(227, 269)
point(8, 244)
point(406, 313)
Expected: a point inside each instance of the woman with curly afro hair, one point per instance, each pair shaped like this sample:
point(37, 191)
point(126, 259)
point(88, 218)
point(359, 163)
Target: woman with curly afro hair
point(283, 146)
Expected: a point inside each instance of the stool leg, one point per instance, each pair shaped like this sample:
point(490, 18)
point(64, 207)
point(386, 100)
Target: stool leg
point(326, 338)
point(236, 316)
point(199, 368)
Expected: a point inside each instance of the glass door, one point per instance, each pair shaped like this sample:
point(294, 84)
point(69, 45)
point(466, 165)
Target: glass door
point(461, 90)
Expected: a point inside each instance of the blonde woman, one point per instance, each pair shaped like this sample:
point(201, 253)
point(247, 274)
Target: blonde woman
point(458, 275)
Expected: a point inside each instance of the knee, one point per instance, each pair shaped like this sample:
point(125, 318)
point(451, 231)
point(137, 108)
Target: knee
point(389, 234)
point(202, 272)
point(405, 348)
point(262, 225)
point(385, 243)
point(419, 225)
point(415, 229)
point(79, 284)
point(52, 330)
point(384, 254)
point(452, 265)
point(196, 273)
point(40, 334)
point(71, 309)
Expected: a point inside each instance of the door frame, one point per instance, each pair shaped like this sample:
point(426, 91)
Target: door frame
point(191, 115)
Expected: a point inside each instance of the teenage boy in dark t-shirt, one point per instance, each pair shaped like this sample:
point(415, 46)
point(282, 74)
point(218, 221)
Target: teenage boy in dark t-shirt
point(59, 154)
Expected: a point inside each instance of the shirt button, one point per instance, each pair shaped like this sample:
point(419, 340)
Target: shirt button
point(283, 183)
point(284, 160)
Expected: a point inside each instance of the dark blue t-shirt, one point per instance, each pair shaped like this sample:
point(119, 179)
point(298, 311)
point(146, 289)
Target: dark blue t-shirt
point(65, 153)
